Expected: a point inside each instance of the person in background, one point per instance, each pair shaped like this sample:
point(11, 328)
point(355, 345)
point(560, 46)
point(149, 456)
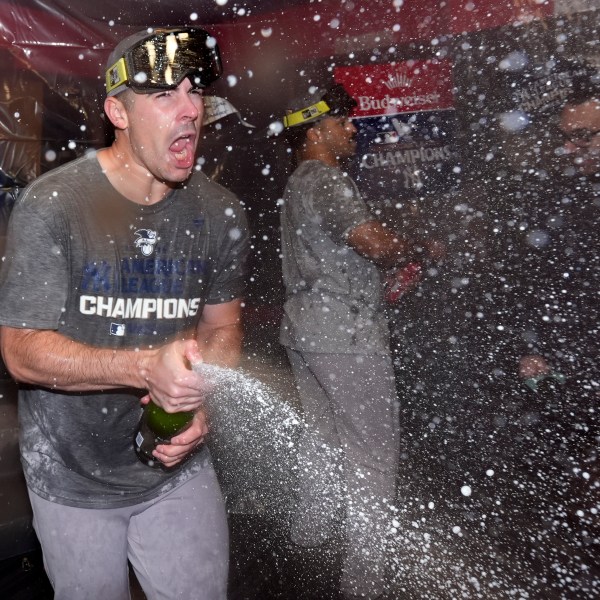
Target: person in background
point(223, 129)
point(123, 269)
point(560, 315)
point(546, 271)
point(337, 340)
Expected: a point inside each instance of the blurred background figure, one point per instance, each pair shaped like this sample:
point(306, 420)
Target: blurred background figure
point(554, 299)
point(336, 335)
point(223, 129)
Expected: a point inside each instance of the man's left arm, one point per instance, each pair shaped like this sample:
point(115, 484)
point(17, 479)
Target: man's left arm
point(219, 335)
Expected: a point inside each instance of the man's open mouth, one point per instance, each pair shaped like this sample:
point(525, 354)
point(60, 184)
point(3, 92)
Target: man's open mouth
point(183, 150)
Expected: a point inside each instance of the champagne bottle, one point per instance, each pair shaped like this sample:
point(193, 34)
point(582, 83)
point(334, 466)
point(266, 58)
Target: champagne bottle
point(158, 427)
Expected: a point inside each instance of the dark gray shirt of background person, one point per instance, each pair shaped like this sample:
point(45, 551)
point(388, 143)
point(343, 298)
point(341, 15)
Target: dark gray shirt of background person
point(333, 295)
point(83, 260)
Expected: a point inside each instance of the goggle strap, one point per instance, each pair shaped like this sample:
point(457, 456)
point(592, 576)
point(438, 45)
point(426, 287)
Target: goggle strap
point(116, 75)
point(306, 114)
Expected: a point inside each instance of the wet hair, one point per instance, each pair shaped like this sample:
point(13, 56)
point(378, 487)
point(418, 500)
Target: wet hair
point(296, 136)
point(126, 97)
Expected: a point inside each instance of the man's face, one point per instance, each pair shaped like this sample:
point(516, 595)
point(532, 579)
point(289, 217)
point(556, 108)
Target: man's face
point(339, 134)
point(164, 129)
point(580, 123)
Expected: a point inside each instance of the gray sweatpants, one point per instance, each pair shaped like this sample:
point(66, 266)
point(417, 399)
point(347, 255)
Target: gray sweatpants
point(176, 543)
point(349, 454)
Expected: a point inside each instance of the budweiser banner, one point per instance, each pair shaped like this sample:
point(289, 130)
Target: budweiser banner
point(405, 120)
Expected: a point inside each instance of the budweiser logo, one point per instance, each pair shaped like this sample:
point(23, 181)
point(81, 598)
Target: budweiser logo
point(399, 79)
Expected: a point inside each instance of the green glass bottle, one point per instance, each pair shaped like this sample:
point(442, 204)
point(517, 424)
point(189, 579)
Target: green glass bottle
point(158, 427)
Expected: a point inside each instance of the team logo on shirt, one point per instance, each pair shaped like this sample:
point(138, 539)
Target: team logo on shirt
point(146, 238)
point(117, 329)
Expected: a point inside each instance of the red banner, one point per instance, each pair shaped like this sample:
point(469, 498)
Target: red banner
point(405, 122)
point(404, 87)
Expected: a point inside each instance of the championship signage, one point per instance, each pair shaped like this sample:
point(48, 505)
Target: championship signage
point(405, 121)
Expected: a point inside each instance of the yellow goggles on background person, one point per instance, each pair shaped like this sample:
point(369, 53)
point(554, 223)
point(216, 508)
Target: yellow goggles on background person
point(306, 114)
point(162, 59)
point(333, 102)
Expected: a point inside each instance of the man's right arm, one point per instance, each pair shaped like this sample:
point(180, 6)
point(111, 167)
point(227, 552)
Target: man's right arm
point(49, 359)
point(380, 245)
point(386, 249)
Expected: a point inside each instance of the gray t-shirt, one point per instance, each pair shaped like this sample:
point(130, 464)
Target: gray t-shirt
point(333, 295)
point(83, 260)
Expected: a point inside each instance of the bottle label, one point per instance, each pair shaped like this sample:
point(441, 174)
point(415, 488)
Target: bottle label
point(144, 443)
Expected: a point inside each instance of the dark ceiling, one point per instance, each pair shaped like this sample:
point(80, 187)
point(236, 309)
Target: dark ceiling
point(172, 12)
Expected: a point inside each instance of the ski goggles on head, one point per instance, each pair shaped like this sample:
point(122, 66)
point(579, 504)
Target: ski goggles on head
point(335, 102)
point(163, 59)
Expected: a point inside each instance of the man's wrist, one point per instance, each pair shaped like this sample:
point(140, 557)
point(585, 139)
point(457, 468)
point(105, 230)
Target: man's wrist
point(138, 366)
